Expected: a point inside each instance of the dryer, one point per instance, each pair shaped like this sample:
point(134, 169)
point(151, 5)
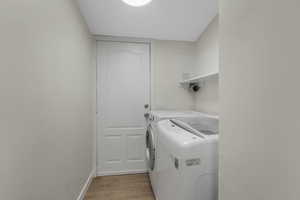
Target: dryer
point(152, 147)
point(188, 160)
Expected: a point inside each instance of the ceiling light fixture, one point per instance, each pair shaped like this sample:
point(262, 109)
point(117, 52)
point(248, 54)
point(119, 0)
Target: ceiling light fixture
point(137, 3)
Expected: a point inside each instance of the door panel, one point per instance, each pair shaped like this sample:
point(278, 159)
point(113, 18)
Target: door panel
point(123, 90)
point(135, 142)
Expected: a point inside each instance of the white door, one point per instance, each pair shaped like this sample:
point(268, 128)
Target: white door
point(123, 91)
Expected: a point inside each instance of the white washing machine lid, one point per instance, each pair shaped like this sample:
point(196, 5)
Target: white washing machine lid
point(184, 141)
point(158, 115)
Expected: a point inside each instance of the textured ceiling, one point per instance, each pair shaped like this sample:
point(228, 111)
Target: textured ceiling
point(161, 19)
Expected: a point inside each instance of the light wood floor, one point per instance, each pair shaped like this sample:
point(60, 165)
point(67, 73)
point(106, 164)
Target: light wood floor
point(125, 187)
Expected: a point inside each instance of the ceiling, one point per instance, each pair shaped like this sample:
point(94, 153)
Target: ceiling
point(182, 20)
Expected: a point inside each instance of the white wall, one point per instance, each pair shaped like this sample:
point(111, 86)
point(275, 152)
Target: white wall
point(259, 90)
point(207, 49)
point(47, 98)
point(207, 61)
point(169, 60)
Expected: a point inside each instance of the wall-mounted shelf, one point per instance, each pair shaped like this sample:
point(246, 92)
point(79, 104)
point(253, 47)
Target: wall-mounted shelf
point(199, 79)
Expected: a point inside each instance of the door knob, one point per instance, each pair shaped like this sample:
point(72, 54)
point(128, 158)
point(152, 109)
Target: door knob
point(146, 115)
point(146, 106)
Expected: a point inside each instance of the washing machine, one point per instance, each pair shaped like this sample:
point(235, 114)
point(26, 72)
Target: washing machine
point(152, 147)
point(188, 160)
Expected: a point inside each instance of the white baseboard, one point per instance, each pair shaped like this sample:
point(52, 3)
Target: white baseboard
point(86, 185)
point(121, 173)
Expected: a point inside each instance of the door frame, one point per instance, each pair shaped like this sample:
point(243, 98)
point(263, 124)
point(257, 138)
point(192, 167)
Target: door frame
point(99, 38)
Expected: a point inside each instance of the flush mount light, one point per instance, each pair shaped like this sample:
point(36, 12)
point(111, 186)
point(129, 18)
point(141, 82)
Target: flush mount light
point(137, 3)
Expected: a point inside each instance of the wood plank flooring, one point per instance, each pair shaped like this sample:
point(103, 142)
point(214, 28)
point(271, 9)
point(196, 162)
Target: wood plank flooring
point(124, 187)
